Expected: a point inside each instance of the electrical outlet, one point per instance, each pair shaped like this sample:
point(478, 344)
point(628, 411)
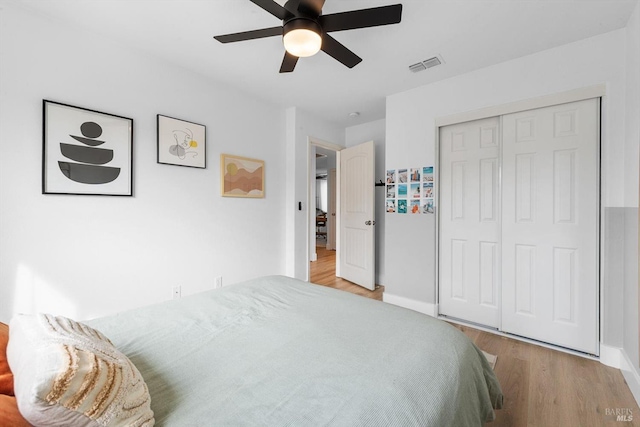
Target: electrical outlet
point(177, 292)
point(218, 283)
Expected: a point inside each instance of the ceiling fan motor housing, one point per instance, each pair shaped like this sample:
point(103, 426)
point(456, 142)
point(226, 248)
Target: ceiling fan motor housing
point(302, 37)
point(302, 24)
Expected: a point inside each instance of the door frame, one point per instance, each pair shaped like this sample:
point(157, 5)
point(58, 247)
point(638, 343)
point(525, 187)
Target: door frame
point(580, 94)
point(311, 180)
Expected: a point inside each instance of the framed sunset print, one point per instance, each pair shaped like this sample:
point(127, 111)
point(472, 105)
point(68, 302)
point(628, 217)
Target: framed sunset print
point(241, 176)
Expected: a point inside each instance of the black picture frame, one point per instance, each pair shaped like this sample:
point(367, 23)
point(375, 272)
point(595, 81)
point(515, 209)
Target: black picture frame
point(181, 142)
point(85, 152)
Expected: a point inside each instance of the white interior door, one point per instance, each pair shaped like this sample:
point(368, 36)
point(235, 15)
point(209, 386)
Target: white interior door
point(469, 268)
point(550, 224)
point(357, 215)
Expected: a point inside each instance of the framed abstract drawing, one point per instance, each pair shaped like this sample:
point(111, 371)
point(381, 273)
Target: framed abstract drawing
point(86, 152)
point(181, 143)
point(241, 176)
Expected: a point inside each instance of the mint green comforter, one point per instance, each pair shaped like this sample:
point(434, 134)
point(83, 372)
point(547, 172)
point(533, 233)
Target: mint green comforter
point(277, 351)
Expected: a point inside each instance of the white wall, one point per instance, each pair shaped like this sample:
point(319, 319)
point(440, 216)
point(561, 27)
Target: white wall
point(410, 138)
point(300, 126)
point(632, 142)
point(86, 256)
point(632, 123)
point(374, 131)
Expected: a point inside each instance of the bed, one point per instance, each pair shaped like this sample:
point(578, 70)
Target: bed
point(276, 351)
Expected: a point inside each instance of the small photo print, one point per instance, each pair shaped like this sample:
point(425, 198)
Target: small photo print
point(391, 191)
point(427, 206)
point(402, 190)
point(391, 176)
point(427, 174)
point(415, 191)
point(415, 206)
point(415, 175)
point(391, 205)
point(402, 206)
point(427, 189)
point(402, 175)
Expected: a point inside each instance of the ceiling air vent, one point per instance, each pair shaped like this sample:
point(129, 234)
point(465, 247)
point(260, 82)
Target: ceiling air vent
point(417, 67)
point(432, 62)
point(427, 63)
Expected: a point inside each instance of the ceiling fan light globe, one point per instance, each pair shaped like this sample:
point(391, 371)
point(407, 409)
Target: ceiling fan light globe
point(302, 42)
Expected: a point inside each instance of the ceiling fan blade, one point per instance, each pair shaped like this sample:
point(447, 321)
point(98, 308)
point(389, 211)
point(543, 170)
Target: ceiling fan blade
point(339, 52)
point(288, 63)
point(273, 8)
point(250, 35)
point(363, 18)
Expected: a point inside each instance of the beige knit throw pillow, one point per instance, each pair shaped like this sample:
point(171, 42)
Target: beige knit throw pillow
point(68, 374)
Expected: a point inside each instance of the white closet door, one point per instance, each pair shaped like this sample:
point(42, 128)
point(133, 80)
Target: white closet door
point(550, 201)
point(469, 251)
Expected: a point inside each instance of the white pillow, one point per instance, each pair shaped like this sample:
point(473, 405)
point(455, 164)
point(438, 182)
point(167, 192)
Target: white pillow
point(68, 374)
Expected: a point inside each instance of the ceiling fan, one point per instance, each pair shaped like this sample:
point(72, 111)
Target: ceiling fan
point(305, 29)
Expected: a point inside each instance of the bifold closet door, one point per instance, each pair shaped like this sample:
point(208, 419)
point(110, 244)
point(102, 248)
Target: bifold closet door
point(469, 217)
point(550, 214)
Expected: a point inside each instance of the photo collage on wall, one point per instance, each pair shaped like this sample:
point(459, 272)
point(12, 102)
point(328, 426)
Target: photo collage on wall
point(410, 191)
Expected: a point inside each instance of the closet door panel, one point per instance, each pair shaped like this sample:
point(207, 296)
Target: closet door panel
point(469, 250)
point(550, 216)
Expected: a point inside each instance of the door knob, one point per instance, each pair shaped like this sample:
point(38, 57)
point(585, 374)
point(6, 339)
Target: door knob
point(367, 223)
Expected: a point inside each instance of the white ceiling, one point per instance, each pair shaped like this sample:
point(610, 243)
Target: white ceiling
point(468, 34)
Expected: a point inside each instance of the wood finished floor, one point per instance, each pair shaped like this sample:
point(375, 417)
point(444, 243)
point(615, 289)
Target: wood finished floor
point(323, 272)
point(542, 387)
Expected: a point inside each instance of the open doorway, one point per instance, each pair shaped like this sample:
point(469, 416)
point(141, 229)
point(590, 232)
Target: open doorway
point(324, 220)
point(325, 199)
point(324, 212)
point(323, 193)
point(323, 260)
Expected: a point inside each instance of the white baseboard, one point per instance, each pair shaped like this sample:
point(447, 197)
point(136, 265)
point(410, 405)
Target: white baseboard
point(631, 375)
point(610, 356)
point(619, 359)
point(411, 304)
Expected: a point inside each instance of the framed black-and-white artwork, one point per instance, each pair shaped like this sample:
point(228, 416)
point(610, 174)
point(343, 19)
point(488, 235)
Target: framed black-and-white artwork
point(181, 143)
point(86, 152)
